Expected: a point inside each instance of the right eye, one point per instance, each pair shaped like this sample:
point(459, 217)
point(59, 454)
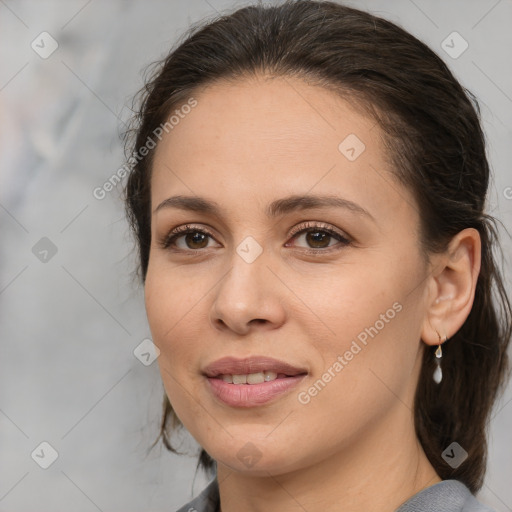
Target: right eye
point(191, 238)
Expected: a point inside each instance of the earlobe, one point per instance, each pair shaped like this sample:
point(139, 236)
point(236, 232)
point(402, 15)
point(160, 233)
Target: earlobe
point(452, 286)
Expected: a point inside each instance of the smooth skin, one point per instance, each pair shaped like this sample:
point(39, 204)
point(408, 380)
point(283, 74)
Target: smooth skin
point(246, 144)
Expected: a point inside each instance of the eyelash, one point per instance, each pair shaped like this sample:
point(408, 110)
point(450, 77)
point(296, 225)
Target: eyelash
point(306, 227)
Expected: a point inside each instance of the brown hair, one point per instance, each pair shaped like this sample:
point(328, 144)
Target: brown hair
point(431, 128)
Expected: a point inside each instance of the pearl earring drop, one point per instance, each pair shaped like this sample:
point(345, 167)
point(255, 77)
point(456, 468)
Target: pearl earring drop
point(438, 373)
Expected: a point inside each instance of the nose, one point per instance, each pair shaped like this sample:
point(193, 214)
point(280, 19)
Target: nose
point(248, 297)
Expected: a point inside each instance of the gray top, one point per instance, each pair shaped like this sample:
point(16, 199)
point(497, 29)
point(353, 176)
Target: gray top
point(445, 496)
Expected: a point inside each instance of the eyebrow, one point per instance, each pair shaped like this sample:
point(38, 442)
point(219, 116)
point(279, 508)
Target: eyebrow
point(275, 209)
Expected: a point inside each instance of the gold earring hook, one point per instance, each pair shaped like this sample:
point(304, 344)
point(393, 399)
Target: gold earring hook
point(439, 350)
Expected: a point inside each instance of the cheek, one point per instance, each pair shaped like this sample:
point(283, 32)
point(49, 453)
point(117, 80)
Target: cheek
point(172, 317)
point(370, 322)
point(170, 305)
point(350, 302)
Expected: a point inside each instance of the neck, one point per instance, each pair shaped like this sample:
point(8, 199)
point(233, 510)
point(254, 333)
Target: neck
point(378, 471)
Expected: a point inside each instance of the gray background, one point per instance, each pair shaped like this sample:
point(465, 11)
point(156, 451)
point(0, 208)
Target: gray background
point(69, 325)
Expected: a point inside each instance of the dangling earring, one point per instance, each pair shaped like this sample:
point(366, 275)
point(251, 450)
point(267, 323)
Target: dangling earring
point(438, 373)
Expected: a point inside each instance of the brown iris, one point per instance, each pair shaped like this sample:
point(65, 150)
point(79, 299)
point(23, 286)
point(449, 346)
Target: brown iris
point(196, 238)
point(317, 237)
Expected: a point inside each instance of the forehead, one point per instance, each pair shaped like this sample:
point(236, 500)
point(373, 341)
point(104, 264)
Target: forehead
point(256, 138)
point(268, 114)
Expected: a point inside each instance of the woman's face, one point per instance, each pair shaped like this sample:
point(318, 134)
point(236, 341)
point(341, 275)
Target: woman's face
point(327, 297)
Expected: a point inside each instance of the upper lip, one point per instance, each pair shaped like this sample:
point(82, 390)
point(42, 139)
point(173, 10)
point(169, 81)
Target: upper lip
point(255, 364)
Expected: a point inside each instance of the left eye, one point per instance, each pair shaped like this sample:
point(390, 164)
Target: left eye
point(320, 238)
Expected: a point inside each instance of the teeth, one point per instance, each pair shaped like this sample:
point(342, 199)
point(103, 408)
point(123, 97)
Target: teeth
point(255, 378)
point(251, 378)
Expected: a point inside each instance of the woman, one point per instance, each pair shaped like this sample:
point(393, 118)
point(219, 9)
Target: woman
point(317, 263)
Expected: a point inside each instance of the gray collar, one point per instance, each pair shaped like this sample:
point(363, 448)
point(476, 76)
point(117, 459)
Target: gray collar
point(448, 496)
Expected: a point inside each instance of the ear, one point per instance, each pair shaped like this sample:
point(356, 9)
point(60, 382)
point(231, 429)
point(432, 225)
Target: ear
point(451, 287)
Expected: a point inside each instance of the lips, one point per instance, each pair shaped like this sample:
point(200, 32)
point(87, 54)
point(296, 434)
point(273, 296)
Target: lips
point(234, 366)
point(252, 381)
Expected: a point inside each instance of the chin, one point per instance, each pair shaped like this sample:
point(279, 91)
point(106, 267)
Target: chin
point(256, 457)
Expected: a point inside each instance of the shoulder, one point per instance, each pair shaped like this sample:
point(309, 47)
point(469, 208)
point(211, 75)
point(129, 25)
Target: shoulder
point(448, 495)
point(207, 501)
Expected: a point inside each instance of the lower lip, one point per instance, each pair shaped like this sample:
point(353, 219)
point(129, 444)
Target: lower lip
point(252, 395)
